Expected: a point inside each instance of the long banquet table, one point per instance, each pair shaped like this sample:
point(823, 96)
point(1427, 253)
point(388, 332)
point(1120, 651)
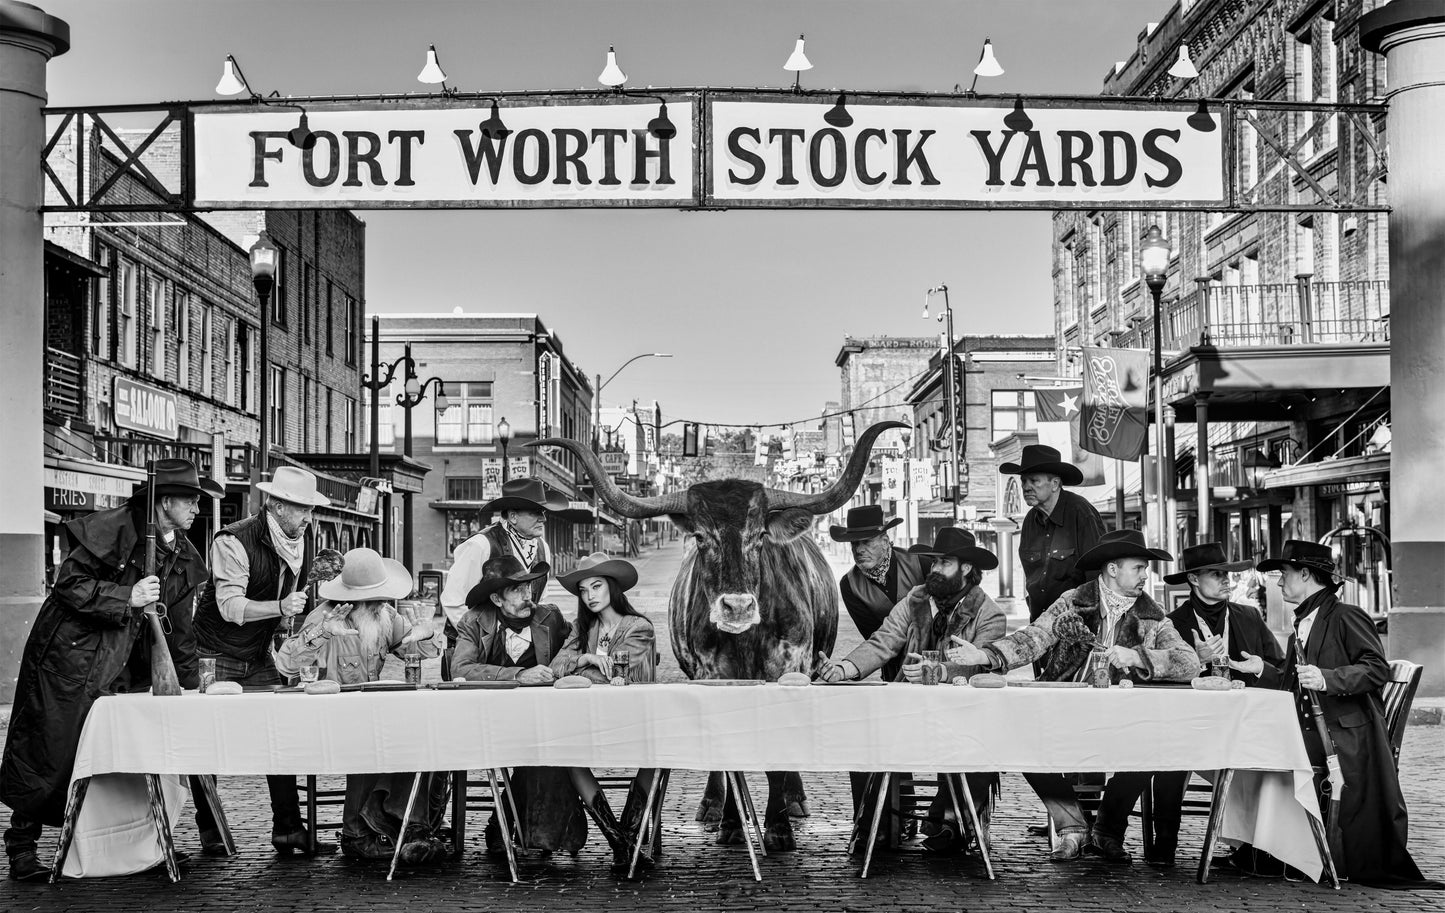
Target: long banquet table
point(1253, 732)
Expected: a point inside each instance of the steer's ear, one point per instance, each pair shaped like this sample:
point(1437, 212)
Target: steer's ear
point(787, 525)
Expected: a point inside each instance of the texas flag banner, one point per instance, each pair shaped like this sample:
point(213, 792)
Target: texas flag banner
point(1057, 410)
point(1114, 417)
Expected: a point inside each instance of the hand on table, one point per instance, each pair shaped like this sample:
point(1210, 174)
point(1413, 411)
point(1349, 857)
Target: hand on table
point(537, 675)
point(965, 653)
point(1311, 678)
point(146, 591)
point(1124, 658)
point(834, 672)
point(913, 668)
point(1250, 665)
point(602, 663)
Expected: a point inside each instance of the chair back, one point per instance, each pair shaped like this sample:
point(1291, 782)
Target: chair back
point(1398, 694)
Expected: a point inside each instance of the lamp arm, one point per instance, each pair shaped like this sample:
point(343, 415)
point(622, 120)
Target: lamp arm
point(372, 384)
point(407, 402)
point(619, 370)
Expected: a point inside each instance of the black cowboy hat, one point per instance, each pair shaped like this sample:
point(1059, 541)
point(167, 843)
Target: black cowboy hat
point(952, 542)
point(525, 494)
point(1117, 544)
point(175, 476)
point(863, 523)
point(1206, 556)
point(502, 572)
point(598, 564)
point(1303, 553)
point(1041, 458)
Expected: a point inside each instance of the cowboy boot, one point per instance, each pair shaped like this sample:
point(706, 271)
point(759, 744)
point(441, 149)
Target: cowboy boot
point(612, 830)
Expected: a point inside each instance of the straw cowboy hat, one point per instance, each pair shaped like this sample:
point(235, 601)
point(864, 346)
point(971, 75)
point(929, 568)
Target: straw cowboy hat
point(502, 572)
point(863, 523)
point(366, 576)
point(525, 494)
point(175, 476)
point(1206, 556)
point(295, 485)
point(1041, 458)
point(952, 542)
point(598, 564)
point(1303, 554)
point(1117, 544)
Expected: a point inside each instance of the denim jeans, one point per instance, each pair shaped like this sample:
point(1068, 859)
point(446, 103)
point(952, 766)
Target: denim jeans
point(1120, 794)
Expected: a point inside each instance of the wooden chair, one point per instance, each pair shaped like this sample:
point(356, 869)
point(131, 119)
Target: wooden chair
point(1398, 694)
point(885, 789)
point(498, 799)
point(315, 798)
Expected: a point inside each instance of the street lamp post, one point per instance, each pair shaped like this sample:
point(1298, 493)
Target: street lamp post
point(596, 442)
point(263, 276)
point(907, 435)
point(413, 393)
point(950, 410)
point(1154, 263)
point(504, 437)
point(376, 382)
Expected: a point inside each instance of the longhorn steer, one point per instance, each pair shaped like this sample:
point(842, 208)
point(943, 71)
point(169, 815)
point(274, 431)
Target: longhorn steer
point(754, 598)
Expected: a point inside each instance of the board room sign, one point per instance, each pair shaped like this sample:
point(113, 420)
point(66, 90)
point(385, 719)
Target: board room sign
point(730, 149)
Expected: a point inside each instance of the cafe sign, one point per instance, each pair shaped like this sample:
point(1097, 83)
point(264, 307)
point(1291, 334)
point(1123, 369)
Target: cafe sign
point(146, 409)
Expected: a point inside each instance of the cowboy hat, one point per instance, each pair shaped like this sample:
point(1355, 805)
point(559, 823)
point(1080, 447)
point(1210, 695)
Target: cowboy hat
point(1038, 458)
point(863, 523)
point(175, 476)
point(1303, 553)
point(366, 576)
point(502, 572)
point(1206, 556)
point(598, 564)
point(295, 485)
point(952, 542)
point(1117, 544)
point(525, 494)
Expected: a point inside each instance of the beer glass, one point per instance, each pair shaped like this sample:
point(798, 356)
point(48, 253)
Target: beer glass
point(932, 667)
point(621, 662)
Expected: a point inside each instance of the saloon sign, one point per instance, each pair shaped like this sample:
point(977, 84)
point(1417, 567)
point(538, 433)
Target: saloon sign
point(146, 409)
point(729, 149)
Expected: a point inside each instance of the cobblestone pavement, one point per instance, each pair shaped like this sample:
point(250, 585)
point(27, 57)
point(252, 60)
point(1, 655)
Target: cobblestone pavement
point(694, 875)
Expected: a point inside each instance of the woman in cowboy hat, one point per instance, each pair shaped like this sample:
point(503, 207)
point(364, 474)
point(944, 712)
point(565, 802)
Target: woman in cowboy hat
point(1336, 653)
point(356, 626)
point(607, 625)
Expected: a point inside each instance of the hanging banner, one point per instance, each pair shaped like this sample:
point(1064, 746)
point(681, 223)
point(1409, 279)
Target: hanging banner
point(953, 152)
point(1056, 410)
point(565, 152)
point(1114, 418)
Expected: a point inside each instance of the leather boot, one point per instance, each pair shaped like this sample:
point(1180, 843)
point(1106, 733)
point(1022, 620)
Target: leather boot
point(610, 828)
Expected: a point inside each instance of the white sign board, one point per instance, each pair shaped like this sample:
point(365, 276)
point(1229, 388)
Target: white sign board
point(958, 154)
point(598, 154)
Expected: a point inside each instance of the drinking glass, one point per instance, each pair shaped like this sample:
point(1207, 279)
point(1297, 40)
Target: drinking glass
point(1098, 673)
point(309, 674)
point(932, 667)
point(208, 673)
point(621, 662)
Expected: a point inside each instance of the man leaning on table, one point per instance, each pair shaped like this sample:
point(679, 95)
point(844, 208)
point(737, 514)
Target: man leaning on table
point(1111, 614)
point(1221, 631)
point(948, 607)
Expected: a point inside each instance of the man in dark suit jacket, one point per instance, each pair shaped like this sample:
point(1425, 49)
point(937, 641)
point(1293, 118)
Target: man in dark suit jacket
point(1221, 632)
point(1337, 654)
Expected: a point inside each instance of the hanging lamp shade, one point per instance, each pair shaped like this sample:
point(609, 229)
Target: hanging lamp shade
point(1183, 67)
point(302, 137)
point(432, 72)
point(231, 82)
point(798, 60)
point(612, 75)
point(493, 128)
point(988, 64)
point(838, 115)
point(660, 126)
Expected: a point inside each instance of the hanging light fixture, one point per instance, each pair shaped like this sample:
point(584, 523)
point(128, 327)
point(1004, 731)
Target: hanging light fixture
point(1183, 67)
point(431, 74)
point(493, 128)
point(797, 63)
point(232, 81)
point(1201, 119)
point(302, 137)
point(612, 75)
point(988, 64)
point(1018, 119)
point(838, 115)
point(660, 127)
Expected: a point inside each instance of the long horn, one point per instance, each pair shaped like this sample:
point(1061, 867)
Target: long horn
point(837, 494)
point(615, 498)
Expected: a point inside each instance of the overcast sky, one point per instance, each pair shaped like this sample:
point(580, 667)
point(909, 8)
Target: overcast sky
point(753, 305)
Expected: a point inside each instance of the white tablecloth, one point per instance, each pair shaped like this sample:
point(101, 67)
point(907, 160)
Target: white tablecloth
point(767, 727)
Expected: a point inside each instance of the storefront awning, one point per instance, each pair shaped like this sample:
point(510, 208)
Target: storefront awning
point(1324, 472)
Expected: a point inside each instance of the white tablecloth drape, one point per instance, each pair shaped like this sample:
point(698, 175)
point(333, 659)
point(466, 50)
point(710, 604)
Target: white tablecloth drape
point(765, 727)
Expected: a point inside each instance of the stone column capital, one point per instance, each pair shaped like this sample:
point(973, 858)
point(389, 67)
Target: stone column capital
point(26, 24)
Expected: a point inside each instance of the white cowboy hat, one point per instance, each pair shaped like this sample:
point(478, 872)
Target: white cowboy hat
point(367, 576)
point(296, 485)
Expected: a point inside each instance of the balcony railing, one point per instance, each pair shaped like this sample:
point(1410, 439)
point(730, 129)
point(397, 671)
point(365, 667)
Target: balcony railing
point(1280, 314)
point(135, 453)
point(64, 383)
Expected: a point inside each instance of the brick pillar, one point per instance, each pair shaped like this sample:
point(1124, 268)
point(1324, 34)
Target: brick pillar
point(1411, 35)
point(28, 39)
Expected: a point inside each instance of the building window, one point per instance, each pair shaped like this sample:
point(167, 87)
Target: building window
point(349, 407)
point(330, 328)
point(278, 406)
point(158, 327)
point(305, 414)
point(328, 415)
point(466, 488)
point(304, 300)
point(386, 416)
point(230, 353)
point(469, 418)
point(1011, 411)
point(207, 349)
point(126, 331)
point(183, 339)
point(351, 319)
point(278, 294)
point(103, 305)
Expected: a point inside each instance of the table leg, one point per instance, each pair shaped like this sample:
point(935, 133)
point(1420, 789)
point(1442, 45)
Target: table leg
point(506, 829)
point(1216, 815)
point(958, 783)
point(644, 823)
point(405, 820)
point(459, 813)
point(163, 825)
point(512, 804)
point(212, 798)
point(666, 775)
point(1322, 843)
point(752, 810)
point(730, 782)
point(67, 827)
point(877, 817)
point(311, 838)
point(862, 813)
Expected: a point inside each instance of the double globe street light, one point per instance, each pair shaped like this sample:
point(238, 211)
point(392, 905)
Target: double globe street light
point(1154, 264)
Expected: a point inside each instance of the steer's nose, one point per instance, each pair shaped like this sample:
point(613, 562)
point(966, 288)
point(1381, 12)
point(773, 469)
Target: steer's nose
point(739, 603)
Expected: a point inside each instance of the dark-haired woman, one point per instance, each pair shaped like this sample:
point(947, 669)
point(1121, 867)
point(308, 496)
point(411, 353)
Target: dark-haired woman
point(607, 625)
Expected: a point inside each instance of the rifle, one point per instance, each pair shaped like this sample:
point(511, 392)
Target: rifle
point(1333, 786)
point(164, 680)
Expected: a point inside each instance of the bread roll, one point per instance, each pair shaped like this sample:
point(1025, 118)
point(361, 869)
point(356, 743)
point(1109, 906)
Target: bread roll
point(572, 681)
point(987, 680)
point(794, 679)
point(224, 688)
point(325, 686)
point(1211, 683)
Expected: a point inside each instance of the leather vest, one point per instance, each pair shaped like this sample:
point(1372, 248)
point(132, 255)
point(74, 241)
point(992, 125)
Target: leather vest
point(270, 578)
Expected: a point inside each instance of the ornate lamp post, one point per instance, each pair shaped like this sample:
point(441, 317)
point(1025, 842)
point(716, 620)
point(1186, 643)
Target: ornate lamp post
point(413, 393)
point(950, 410)
point(504, 437)
point(1154, 264)
point(375, 382)
point(263, 276)
point(597, 425)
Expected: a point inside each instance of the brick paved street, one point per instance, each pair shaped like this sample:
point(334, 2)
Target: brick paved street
point(697, 876)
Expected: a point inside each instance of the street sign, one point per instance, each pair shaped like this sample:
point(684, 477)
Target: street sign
point(142, 408)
